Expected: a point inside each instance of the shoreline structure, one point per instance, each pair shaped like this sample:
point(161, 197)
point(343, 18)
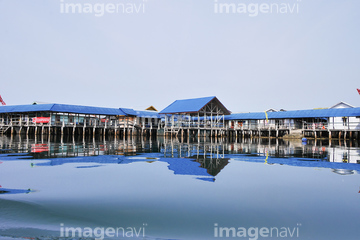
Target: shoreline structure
point(198, 117)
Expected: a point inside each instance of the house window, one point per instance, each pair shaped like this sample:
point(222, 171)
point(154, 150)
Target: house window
point(344, 121)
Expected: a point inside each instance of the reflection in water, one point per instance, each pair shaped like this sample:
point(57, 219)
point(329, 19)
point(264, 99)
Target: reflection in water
point(168, 183)
point(212, 155)
point(14, 191)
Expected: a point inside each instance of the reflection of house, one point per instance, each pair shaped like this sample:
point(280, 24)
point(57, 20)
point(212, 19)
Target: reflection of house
point(209, 155)
point(180, 166)
point(213, 165)
point(341, 159)
point(337, 167)
point(344, 155)
point(200, 159)
point(343, 171)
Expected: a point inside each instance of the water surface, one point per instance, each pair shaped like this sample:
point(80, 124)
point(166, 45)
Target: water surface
point(173, 190)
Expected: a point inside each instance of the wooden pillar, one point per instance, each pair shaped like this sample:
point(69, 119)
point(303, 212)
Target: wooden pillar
point(198, 125)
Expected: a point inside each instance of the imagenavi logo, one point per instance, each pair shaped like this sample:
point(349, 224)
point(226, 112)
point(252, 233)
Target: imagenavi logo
point(257, 7)
point(254, 233)
point(102, 232)
point(99, 8)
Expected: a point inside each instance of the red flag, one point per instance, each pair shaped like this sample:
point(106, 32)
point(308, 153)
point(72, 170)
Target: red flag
point(358, 90)
point(2, 101)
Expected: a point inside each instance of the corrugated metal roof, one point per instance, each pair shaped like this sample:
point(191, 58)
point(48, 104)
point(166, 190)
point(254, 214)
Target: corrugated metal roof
point(184, 104)
point(313, 113)
point(187, 105)
point(77, 109)
point(147, 114)
point(246, 116)
point(193, 105)
point(60, 108)
point(25, 108)
point(85, 109)
point(128, 111)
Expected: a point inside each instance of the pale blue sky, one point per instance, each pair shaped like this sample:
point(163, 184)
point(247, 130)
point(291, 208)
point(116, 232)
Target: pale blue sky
point(181, 49)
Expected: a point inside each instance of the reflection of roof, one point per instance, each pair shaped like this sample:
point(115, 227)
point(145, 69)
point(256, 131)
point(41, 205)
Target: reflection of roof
point(343, 171)
point(14, 191)
point(193, 105)
point(185, 166)
point(313, 113)
point(180, 166)
point(297, 162)
point(213, 165)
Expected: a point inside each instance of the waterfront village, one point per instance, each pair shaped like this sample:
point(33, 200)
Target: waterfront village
point(197, 117)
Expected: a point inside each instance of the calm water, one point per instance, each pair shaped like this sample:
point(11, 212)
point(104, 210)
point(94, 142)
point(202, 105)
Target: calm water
point(164, 189)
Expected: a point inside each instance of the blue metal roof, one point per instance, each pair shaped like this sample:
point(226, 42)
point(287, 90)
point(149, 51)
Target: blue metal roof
point(128, 112)
point(26, 108)
point(317, 113)
point(85, 109)
point(313, 113)
point(60, 108)
point(147, 114)
point(187, 105)
point(246, 116)
point(77, 109)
